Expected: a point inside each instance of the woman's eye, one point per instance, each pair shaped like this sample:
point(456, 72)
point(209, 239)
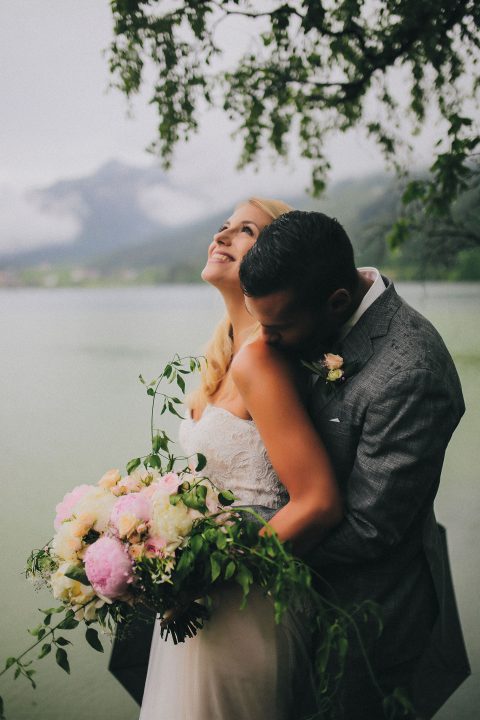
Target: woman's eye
point(221, 228)
point(247, 229)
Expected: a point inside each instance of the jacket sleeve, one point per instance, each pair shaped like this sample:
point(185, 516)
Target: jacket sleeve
point(397, 468)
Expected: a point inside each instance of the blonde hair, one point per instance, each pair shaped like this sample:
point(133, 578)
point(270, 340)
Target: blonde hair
point(219, 351)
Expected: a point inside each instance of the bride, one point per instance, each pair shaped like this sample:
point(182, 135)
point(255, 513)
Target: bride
point(249, 420)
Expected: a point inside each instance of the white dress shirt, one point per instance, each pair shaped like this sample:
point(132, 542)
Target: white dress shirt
point(375, 290)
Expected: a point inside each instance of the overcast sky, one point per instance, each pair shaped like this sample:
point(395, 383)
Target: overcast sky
point(57, 119)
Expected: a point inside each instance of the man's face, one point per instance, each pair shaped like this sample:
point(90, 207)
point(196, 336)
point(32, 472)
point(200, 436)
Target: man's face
point(286, 324)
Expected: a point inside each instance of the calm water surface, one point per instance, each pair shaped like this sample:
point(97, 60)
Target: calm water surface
point(71, 407)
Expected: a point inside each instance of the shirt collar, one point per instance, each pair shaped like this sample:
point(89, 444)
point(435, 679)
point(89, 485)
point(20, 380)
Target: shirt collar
point(375, 290)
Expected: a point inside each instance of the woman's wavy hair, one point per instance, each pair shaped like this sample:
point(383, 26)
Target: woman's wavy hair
point(219, 350)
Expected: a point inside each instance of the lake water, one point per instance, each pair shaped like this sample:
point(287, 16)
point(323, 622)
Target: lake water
point(71, 407)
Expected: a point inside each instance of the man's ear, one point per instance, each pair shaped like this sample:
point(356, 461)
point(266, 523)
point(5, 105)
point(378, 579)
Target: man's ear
point(339, 301)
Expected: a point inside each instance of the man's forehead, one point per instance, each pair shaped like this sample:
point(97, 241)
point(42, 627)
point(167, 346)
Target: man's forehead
point(277, 305)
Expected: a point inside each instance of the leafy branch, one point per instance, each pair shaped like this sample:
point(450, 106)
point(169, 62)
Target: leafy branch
point(310, 70)
point(46, 635)
point(161, 458)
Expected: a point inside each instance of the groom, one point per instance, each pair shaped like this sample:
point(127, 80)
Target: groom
point(386, 422)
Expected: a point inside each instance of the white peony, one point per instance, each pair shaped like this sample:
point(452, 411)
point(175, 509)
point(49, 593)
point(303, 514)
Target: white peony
point(170, 522)
point(99, 503)
point(68, 590)
point(66, 543)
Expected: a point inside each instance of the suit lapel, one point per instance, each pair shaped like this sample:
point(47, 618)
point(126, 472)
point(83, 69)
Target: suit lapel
point(356, 348)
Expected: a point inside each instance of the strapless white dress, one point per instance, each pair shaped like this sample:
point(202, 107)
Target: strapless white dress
point(241, 665)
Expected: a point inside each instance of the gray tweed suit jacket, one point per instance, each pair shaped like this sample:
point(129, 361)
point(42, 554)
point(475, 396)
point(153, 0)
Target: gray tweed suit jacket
point(386, 429)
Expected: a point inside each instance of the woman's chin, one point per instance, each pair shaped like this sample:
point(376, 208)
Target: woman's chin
point(214, 274)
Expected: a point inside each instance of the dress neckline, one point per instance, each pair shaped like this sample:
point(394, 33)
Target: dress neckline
point(211, 406)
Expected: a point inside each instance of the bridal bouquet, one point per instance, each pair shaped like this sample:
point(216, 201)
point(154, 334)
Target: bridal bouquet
point(159, 539)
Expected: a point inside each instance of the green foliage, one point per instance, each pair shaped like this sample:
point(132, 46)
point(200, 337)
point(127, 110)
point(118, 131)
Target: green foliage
point(91, 636)
point(399, 232)
point(310, 69)
point(76, 573)
point(161, 458)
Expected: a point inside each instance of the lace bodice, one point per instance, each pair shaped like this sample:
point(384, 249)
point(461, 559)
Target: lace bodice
point(236, 456)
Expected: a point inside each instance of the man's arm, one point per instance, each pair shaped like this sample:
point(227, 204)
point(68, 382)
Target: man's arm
point(397, 468)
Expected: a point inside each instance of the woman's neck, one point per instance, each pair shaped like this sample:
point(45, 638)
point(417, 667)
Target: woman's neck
point(242, 322)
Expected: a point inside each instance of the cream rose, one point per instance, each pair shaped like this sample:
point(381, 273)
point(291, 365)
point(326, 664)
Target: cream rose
point(333, 362)
point(334, 375)
point(109, 479)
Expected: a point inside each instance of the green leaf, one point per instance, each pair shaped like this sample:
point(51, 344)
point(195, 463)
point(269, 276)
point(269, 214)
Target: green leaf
point(153, 461)
point(47, 619)
point(226, 497)
point(10, 662)
point(173, 410)
point(62, 641)
point(76, 572)
point(184, 565)
point(61, 658)
point(201, 462)
point(160, 442)
point(34, 631)
point(196, 543)
point(216, 562)
point(17, 673)
point(133, 464)
point(221, 541)
point(150, 391)
point(2, 708)
point(45, 650)
point(69, 623)
point(244, 579)
point(195, 498)
point(140, 377)
point(168, 370)
point(181, 383)
point(229, 570)
point(92, 638)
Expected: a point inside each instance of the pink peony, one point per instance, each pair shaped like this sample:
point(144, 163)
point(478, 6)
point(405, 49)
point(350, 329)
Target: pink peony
point(168, 483)
point(136, 506)
point(65, 508)
point(108, 567)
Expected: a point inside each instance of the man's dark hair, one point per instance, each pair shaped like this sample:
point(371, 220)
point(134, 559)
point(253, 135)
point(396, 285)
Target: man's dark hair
point(307, 252)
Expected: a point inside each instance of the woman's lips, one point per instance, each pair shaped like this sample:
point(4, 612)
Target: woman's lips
point(220, 257)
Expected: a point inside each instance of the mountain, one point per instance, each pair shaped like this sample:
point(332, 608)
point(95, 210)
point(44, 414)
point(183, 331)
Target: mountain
point(109, 207)
point(124, 235)
point(186, 245)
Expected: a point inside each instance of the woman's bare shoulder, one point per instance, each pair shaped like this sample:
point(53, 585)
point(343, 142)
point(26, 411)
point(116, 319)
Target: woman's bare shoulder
point(258, 358)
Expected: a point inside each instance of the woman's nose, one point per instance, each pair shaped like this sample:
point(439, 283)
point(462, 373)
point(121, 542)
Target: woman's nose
point(223, 237)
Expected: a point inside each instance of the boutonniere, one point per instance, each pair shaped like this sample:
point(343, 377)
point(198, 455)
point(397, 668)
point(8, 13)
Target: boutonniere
point(330, 369)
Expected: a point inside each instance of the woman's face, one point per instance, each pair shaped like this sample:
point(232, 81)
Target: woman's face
point(232, 241)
